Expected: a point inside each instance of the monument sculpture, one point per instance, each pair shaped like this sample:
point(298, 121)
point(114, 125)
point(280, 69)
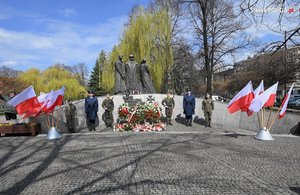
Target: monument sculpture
point(146, 78)
point(120, 76)
point(132, 78)
point(133, 81)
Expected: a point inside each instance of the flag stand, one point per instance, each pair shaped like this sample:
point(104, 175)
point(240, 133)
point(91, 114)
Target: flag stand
point(264, 132)
point(53, 131)
point(264, 135)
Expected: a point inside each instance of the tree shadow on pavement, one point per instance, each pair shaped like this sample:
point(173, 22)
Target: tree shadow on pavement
point(233, 134)
point(31, 177)
point(295, 189)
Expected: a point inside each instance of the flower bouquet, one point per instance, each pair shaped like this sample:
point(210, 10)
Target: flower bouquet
point(123, 111)
point(140, 117)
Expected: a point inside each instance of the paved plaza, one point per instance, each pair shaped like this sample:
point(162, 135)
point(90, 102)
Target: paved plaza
point(177, 161)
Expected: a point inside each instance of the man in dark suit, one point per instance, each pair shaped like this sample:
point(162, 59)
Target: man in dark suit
point(91, 110)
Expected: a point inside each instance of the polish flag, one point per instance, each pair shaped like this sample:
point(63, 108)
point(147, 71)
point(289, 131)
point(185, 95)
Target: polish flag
point(42, 98)
point(38, 110)
point(242, 100)
point(259, 89)
point(267, 98)
point(54, 98)
point(285, 103)
point(25, 101)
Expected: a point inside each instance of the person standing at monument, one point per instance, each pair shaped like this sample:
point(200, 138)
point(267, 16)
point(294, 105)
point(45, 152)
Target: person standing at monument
point(108, 106)
point(91, 110)
point(146, 78)
point(120, 76)
point(207, 107)
point(70, 114)
point(133, 81)
point(189, 107)
point(10, 112)
point(169, 105)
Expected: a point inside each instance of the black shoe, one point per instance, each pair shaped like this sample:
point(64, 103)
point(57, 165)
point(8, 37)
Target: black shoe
point(90, 129)
point(170, 123)
point(209, 126)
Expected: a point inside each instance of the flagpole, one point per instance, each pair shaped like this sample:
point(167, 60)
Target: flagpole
point(263, 117)
point(271, 109)
point(52, 120)
point(259, 123)
point(275, 117)
point(47, 121)
point(58, 116)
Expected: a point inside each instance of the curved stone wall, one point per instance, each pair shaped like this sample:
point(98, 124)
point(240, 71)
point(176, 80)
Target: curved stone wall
point(220, 118)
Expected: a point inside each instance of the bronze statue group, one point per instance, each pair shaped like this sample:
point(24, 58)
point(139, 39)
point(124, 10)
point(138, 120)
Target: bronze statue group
point(132, 77)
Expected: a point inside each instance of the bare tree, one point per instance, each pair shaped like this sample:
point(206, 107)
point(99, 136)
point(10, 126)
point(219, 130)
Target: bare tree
point(184, 69)
point(279, 16)
point(219, 33)
point(177, 13)
point(81, 72)
point(8, 72)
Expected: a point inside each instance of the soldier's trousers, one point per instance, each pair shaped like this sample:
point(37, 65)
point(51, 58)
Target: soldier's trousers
point(108, 118)
point(169, 113)
point(71, 124)
point(207, 116)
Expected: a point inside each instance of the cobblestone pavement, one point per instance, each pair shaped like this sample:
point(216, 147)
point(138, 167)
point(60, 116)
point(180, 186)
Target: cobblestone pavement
point(149, 163)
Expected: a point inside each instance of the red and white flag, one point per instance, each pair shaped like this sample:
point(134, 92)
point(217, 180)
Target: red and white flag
point(53, 99)
point(25, 101)
point(285, 103)
point(242, 100)
point(267, 98)
point(259, 89)
point(42, 98)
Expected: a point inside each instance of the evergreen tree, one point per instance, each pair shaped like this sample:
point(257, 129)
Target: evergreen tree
point(95, 83)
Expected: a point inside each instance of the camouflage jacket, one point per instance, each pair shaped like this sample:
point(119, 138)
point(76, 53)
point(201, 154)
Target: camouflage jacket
point(168, 102)
point(70, 110)
point(109, 104)
point(208, 105)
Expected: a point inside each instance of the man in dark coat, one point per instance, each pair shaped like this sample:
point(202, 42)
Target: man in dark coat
point(169, 105)
point(120, 77)
point(146, 78)
point(207, 107)
point(189, 107)
point(91, 109)
point(108, 106)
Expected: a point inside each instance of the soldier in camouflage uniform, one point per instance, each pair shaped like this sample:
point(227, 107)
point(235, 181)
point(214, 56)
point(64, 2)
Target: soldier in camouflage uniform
point(169, 104)
point(108, 106)
point(70, 113)
point(207, 107)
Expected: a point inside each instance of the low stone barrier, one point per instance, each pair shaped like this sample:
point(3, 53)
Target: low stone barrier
point(220, 118)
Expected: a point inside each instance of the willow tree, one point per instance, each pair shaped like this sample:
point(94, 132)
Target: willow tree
point(52, 79)
point(32, 77)
point(148, 35)
point(108, 74)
